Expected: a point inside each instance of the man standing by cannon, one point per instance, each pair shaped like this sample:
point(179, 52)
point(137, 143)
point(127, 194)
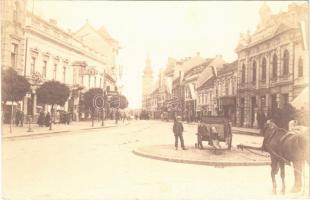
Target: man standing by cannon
point(178, 132)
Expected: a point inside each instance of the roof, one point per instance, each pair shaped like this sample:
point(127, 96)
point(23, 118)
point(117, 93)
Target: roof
point(210, 71)
point(191, 62)
point(229, 67)
point(275, 25)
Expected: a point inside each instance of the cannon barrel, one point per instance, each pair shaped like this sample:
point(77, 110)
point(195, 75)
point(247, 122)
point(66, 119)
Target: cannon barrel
point(242, 146)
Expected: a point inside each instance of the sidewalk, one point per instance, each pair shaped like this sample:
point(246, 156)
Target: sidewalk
point(223, 158)
point(56, 128)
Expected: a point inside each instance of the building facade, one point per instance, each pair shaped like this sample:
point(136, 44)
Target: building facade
point(41, 51)
point(272, 63)
point(225, 86)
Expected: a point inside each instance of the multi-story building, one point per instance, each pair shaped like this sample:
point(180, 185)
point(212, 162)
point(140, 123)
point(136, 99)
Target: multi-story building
point(226, 90)
point(207, 103)
point(39, 50)
point(272, 62)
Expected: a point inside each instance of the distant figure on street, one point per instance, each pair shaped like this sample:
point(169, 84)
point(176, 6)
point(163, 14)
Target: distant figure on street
point(17, 117)
point(41, 119)
point(48, 119)
point(178, 133)
point(117, 116)
point(21, 118)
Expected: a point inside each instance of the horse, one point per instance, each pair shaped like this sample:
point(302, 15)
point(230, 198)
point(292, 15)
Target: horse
point(285, 147)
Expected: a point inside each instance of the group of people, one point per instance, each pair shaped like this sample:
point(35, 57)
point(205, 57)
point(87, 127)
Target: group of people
point(44, 119)
point(19, 118)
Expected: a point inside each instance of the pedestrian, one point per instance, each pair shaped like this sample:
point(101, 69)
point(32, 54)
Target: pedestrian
point(117, 116)
point(178, 132)
point(17, 117)
point(21, 118)
point(47, 119)
point(41, 119)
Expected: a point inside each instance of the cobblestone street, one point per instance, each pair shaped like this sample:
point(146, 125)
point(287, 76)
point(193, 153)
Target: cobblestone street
point(100, 164)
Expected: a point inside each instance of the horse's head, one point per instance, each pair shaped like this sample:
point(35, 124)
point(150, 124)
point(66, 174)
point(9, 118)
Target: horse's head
point(268, 131)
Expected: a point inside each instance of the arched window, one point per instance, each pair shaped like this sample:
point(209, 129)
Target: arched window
point(286, 57)
point(243, 74)
point(264, 69)
point(300, 67)
point(254, 72)
point(274, 66)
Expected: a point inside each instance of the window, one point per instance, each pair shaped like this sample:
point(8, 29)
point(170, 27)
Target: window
point(15, 11)
point(95, 81)
point(285, 62)
point(284, 99)
point(55, 71)
point(274, 66)
point(64, 73)
point(44, 69)
point(243, 74)
point(254, 72)
point(226, 87)
point(100, 82)
point(263, 101)
point(264, 69)
point(33, 65)
point(300, 68)
point(14, 48)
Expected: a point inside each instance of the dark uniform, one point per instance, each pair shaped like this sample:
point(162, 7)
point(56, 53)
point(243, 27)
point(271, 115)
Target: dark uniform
point(178, 133)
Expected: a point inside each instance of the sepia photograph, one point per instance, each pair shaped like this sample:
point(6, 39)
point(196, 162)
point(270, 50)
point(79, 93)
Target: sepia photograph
point(154, 100)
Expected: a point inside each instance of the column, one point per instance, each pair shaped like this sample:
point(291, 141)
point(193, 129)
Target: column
point(25, 103)
point(34, 108)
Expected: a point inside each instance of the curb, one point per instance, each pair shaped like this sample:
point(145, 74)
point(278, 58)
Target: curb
point(52, 133)
point(246, 133)
point(200, 162)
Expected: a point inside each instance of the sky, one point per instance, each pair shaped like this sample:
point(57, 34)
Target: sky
point(160, 29)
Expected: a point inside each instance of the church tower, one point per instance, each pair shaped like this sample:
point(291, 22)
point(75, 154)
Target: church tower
point(147, 81)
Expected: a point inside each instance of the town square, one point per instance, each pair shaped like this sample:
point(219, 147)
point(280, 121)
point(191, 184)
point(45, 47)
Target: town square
point(154, 99)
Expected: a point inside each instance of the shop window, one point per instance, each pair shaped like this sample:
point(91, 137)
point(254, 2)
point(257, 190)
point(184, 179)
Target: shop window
point(300, 68)
point(285, 62)
point(274, 66)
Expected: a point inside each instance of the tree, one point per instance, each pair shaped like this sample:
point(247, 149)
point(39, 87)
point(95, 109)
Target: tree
point(14, 87)
point(53, 93)
point(93, 100)
point(119, 101)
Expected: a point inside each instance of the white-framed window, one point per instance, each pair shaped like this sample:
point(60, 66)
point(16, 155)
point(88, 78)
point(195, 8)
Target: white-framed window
point(32, 65)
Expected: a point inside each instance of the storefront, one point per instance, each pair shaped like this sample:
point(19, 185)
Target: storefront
point(227, 106)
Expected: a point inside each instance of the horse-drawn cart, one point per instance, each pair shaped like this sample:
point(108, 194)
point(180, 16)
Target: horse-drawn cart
point(214, 129)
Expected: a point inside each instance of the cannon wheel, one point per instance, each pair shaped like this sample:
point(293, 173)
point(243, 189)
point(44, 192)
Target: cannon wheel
point(229, 139)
